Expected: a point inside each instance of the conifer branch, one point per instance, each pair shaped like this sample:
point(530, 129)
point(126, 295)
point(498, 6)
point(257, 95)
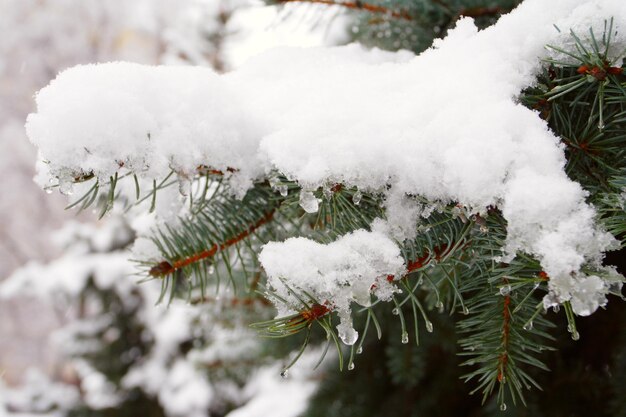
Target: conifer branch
point(356, 5)
point(166, 268)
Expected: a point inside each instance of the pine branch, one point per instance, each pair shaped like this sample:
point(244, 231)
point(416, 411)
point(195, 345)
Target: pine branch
point(223, 233)
point(166, 268)
point(356, 5)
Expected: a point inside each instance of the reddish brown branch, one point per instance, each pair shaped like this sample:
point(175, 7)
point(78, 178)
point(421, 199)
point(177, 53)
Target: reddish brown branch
point(356, 5)
point(166, 268)
point(373, 8)
point(506, 330)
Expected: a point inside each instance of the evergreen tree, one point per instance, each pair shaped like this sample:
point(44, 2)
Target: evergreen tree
point(473, 272)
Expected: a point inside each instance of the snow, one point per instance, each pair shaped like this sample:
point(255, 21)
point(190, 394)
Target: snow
point(340, 273)
point(379, 121)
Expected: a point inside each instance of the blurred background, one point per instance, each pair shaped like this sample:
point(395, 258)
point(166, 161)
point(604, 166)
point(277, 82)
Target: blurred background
point(80, 337)
point(77, 335)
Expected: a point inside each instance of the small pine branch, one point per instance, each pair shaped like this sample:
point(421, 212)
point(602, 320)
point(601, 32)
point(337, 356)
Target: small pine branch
point(224, 228)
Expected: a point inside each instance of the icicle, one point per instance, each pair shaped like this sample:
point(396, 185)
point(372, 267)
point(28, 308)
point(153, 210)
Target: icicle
point(348, 336)
point(66, 187)
point(309, 202)
point(328, 193)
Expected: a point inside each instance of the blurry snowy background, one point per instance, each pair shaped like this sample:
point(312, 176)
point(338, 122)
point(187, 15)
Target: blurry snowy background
point(58, 255)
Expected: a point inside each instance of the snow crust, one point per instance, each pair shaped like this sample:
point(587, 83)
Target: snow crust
point(445, 125)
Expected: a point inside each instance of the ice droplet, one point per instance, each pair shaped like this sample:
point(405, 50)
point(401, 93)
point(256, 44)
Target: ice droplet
point(575, 335)
point(351, 366)
point(405, 338)
point(356, 198)
point(48, 190)
point(395, 311)
point(309, 202)
point(66, 187)
point(503, 407)
point(184, 186)
point(359, 350)
point(505, 290)
point(465, 310)
point(328, 193)
point(556, 308)
point(528, 325)
point(284, 373)
point(429, 326)
point(283, 190)
point(348, 336)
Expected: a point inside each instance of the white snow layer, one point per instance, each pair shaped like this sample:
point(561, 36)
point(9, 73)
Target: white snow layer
point(445, 125)
point(343, 271)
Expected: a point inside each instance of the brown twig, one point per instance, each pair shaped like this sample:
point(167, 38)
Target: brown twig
point(166, 268)
point(356, 5)
point(506, 329)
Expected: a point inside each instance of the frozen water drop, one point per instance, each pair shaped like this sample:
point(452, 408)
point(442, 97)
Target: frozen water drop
point(283, 190)
point(351, 366)
point(503, 407)
point(284, 373)
point(429, 326)
point(556, 308)
point(309, 202)
point(356, 198)
point(328, 193)
point(66, 188)
point(405, 338)
point(348, 336)
point(575, 335)
point(48, 190)
point(528, 325)
point(465, 310)
point(359, 350)
point(505, 290)
point(395, 311)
